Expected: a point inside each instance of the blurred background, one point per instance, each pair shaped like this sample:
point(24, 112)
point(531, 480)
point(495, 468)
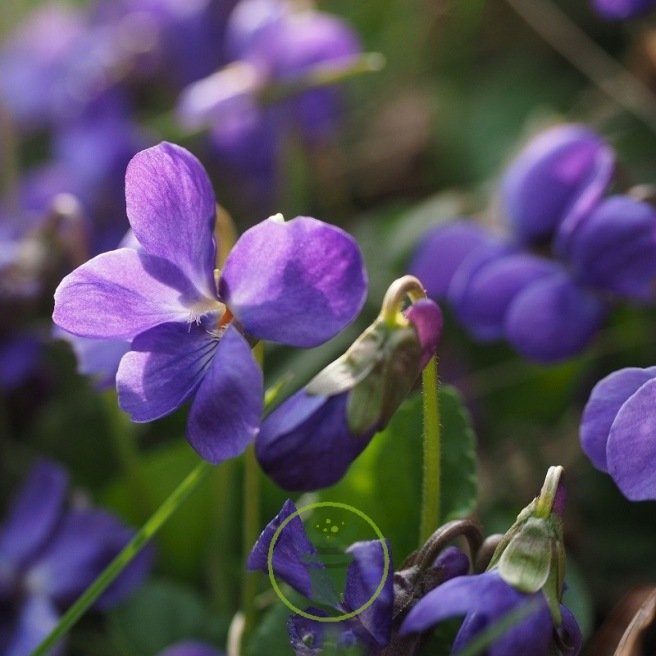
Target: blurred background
point(386, 152)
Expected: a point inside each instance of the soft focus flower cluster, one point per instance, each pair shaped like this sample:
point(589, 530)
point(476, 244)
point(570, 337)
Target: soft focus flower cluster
point(574, 248)
point(50, 552)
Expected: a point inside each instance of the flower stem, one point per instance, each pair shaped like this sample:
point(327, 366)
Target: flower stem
point(431, 490)
point(251, 523)
point(138, 542)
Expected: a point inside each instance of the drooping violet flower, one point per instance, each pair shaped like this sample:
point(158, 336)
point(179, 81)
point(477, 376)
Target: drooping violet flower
point(555, 181)
point(622, 9)
point(297, 562)
point(296, 283)
point(310, 440)
point(486, 599)
point(191, 648)
point(618, 429)
point(50, 553)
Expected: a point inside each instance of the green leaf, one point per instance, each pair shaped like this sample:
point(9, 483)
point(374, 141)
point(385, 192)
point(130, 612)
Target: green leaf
point(158, 615)
point(385, 481)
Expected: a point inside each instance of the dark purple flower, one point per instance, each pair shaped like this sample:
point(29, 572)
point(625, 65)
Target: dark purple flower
point(486, 599)
point(622, 9)
point(297, 562)
point(618, 430)
point(614, 249)
point(297, 283)
point(310, 440)
point(555, 181)
point(50, 553)
point(191, 649)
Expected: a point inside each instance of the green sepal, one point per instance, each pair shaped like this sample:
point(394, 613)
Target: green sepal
point(527, 560)
point(374, 400)
point(351, 368)
point(553, 588)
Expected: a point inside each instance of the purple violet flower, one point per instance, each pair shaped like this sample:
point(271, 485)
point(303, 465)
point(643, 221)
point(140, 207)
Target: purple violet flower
point(50, 553)
point(191, 328)
point(618, 430)
point(297, 563)
point(622, 9)
point(310, 440)
point(555, 180)
point(485, 599)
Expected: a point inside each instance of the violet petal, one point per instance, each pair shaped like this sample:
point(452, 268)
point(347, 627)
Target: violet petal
point(297, 282)
point(631, 448)
point(119, 294)
point(553, 319)
point(227, 409)
point(606, 399)
point(172, 211)
point(163, 369)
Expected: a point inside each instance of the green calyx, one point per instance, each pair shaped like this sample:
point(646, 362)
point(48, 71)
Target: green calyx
point(531, 555)
point(380, 368)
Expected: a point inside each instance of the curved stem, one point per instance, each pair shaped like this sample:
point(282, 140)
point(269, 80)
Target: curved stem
point(402, 288)
point(447, 533)
point(138, 542)
point(432, 481)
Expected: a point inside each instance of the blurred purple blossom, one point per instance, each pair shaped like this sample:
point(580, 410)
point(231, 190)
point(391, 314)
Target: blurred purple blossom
point(297, 283)
point(548, 306)
point(49, 553)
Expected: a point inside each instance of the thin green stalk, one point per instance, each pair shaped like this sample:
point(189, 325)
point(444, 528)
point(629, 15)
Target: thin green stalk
point(138, 542)
point(431, 490)
point(124, 437)
point(251, 519)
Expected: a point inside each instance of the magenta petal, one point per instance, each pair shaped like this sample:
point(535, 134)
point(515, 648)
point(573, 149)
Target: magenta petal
point(119, 294)
point(631, 449)
point(553, 319)
point(163, 369)
point(172, 210)
point(226, 412)
point(605, 401)
point(297, 282)
point(426, 317)
point(34, 514)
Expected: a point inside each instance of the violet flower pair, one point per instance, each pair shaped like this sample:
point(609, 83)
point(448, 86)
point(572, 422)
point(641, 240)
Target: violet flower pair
point(601, 250)
point(190, 326)
point(50, 552)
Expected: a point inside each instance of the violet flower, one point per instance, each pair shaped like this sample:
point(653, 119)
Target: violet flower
point(297, 563)
point(622, 9)
point(49, 554)
point(486, 599)
point(310, 440)
point(603, 250)
point(191, 327)
point(618, 430)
